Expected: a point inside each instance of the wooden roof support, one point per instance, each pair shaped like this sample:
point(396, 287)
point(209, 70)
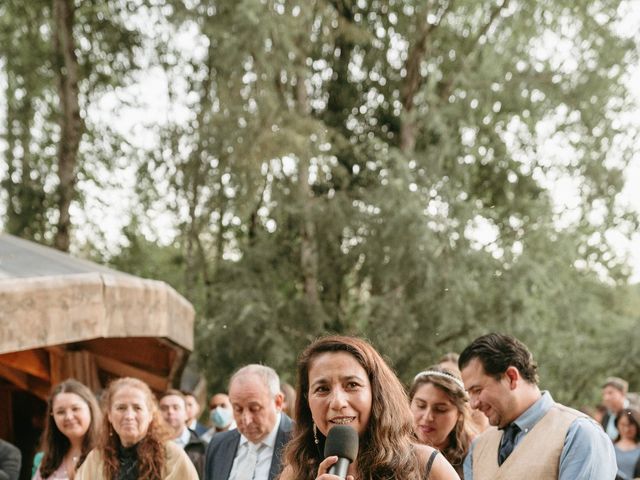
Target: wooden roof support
point(82, 366)
point(18, 378)
point(32, 362)
point(24, 381)
point(153, 355)
point(56, 365)
point(6, 414)
point(120, 369)
point(178, 361)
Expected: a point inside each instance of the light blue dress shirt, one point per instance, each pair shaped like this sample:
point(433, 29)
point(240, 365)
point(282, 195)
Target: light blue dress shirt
point(184, 438)
point(587, 454)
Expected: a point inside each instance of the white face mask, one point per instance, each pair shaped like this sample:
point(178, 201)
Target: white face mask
point(221, 417)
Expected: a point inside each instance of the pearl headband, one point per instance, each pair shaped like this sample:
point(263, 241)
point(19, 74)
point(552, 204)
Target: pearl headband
point(434, 373)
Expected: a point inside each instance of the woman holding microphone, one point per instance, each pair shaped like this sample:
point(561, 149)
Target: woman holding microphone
point(344, 381)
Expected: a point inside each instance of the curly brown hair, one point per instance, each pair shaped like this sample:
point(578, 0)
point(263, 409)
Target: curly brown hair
point(150, 450)
point(54, 443)
point(386, 449)
point(461, 436)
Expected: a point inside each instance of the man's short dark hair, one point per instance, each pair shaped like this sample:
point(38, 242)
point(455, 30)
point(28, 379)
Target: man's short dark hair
point(497, 352)
point(617, 383)
point(171, 391)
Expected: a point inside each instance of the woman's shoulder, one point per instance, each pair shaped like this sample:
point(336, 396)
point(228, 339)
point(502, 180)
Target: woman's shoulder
point(172, 448)
point(173, 451)
point(93, 456)
point(178, 465)
point(440, 468)
point(423, 452)
point(91, 468)
point(628, 451)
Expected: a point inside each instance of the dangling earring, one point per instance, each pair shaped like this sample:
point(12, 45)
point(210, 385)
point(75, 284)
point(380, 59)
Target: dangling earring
point(315, 434)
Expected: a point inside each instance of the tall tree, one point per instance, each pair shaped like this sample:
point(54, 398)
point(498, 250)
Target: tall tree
point(59, 58)
point(24, 52)
point(375, 167)
point(71, 124)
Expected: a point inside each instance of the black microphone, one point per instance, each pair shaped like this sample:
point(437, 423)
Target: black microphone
point(342, 441)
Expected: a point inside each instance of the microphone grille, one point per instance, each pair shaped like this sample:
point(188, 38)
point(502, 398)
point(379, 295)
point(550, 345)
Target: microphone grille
point(342, 441)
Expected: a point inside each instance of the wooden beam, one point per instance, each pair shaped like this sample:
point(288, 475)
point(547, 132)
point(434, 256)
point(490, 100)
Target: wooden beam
point(33, 362)
point(120, 369)
point(6, 413)
point(145, 353)
point(18, 378)
point(57, 349)
point(81, 365)
point(56, 366)
point(177, 357)
point(25, 382)
point(177, 366)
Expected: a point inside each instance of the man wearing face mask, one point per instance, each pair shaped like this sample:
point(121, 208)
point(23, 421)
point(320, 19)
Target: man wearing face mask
point(221, 415)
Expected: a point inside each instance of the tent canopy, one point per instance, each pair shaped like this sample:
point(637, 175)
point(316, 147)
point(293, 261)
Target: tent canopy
point(61, 316)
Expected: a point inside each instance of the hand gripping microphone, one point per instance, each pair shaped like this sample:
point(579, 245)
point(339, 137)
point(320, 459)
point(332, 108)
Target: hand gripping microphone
point(342, 441)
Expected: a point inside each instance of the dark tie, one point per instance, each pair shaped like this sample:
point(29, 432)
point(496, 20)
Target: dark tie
point(508, 442)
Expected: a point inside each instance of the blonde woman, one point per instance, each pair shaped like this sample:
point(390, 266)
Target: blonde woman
point(134, 443)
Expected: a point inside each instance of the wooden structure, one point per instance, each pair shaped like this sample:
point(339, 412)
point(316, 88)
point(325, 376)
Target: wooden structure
point(64, 317)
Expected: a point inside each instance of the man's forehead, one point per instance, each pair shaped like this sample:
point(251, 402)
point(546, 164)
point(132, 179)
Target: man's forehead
point(612, 389)
point(473, 373)
point(474, 367)
point(249, 395)
point(219, 399)
point(247, 384)
point(172, 400)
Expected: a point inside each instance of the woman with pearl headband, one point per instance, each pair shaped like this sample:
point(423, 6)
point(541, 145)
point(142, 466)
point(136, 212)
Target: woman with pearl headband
point(441, 413)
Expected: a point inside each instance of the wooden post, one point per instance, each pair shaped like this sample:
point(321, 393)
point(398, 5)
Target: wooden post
point(56, 365)
point(81, 365)
point(6, 414)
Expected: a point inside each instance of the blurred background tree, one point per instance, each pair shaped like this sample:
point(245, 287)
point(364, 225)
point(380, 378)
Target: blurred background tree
point(382, 168)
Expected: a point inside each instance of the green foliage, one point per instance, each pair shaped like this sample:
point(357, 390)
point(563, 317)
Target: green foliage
point(106, 48)
point(377, 168)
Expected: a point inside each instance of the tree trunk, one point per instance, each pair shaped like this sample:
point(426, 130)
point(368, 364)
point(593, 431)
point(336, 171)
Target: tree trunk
point(71, 124)
point(9, 184)
point(411, 85)
point(195, 174)
point(414, 78)
point(308, 251)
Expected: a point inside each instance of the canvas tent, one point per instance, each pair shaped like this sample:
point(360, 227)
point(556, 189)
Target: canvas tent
point(65, 317)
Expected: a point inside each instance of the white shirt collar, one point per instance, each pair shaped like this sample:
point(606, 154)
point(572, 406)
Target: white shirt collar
point(269, 440)
point(184, 437)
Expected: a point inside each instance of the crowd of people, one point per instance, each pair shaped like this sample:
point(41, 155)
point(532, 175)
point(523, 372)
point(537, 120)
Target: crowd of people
point(480, 415)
